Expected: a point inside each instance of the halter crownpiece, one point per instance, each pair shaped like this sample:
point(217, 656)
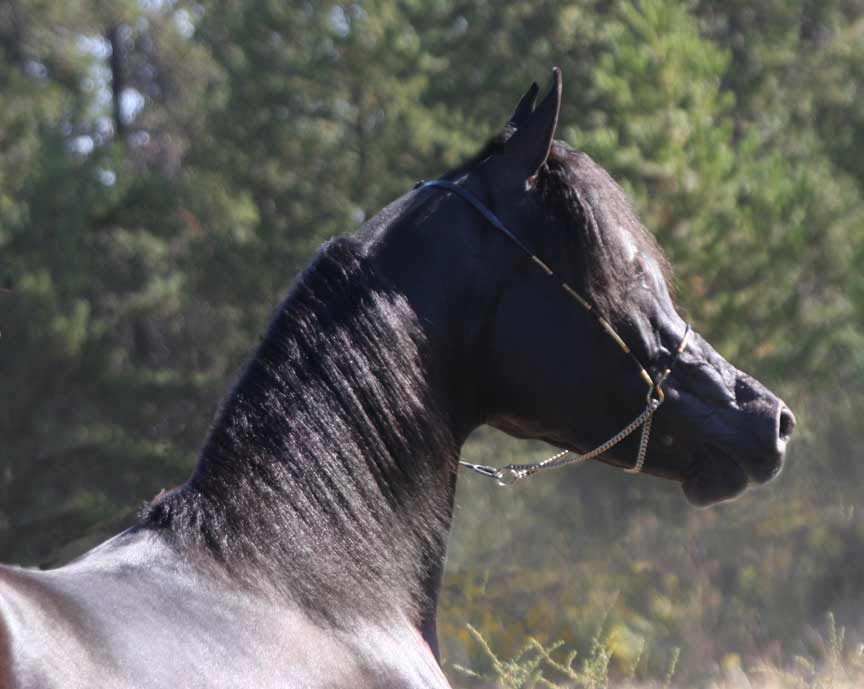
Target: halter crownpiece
point(511, 473)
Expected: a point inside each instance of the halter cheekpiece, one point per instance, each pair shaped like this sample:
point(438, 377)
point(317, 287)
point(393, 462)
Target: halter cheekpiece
point(511, 473)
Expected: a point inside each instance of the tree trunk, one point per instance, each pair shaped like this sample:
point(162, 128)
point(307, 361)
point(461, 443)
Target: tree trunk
point(118, 83)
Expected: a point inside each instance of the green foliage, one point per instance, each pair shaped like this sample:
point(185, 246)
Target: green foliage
point(166, 168)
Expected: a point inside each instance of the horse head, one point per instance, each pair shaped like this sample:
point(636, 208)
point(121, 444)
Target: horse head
point(545, 365)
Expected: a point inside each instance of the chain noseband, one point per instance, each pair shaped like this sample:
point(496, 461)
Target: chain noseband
point(511, 473)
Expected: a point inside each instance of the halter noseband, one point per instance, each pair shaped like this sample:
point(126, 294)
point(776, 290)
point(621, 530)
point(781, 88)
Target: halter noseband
point(511, 473)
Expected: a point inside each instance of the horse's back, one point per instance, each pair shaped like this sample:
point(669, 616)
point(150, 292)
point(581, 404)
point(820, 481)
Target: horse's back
point(51, 634)
point(37, 638)
point(5, 641)
point(128, 615)
point(5, 636)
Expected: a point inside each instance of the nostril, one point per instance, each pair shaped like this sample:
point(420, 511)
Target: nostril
point(787, 424)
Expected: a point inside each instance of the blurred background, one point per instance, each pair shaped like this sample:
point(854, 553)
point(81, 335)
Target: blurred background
point(167, 167)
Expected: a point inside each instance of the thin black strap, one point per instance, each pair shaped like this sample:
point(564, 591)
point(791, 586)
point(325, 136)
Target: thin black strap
point(480, 207)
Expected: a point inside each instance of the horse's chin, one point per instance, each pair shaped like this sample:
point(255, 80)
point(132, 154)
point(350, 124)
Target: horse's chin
point(714, 478)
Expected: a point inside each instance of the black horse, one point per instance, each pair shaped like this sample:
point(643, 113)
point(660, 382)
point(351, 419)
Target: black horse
point(307, 548)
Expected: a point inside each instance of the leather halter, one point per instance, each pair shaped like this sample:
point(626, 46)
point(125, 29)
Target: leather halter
point(514, 472)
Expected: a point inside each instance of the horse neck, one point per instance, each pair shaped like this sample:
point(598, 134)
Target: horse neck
point(328, 475)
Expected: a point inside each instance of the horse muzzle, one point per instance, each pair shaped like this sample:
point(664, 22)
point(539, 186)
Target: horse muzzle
point(734, 430)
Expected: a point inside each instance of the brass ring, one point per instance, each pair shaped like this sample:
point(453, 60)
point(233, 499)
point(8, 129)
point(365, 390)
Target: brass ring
point(507, 476)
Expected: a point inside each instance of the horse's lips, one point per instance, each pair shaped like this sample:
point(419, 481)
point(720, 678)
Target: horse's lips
point(714, 478)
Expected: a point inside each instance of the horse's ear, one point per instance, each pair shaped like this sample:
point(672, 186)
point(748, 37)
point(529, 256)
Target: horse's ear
point(529, 146)
point(525, 107)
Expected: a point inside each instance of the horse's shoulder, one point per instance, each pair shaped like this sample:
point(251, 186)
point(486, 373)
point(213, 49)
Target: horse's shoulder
point(398, 655)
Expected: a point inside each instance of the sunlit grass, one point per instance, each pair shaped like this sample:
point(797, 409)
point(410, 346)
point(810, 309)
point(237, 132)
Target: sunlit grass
point(553, 666)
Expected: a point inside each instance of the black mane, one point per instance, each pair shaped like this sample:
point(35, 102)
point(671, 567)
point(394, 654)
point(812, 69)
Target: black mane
point(319, 476)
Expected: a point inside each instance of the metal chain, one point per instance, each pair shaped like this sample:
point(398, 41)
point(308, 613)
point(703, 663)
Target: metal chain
point(511, 473)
